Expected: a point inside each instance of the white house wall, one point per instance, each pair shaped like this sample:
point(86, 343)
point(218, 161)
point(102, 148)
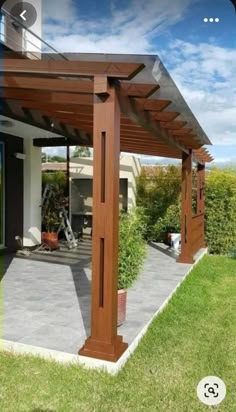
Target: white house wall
point(82, 168)
point(32, 194)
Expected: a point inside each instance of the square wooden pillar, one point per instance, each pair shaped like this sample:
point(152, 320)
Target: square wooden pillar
point(104, 343)
point(186, 255)
point(201, 197)
point(200, 189)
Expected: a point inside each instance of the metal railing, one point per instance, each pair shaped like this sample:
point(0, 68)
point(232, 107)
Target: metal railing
point(10, 37)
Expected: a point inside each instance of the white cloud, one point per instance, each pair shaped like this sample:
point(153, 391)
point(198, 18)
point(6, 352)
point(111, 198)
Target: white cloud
point(206, 76)
point(126, 30)
point(60, 11)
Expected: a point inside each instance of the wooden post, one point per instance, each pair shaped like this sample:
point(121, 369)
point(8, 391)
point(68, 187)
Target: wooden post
point(104, 343)
point(186, 255)
point(200, 189)
point(201, 196)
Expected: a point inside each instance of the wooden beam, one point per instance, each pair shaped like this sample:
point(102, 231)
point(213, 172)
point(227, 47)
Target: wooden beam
point(164, 116)
point(118, 70)
point(104, 343)
point(49, 97)
point(139, 89)
point(149, 152)
point(39, 123)
point(175, 125)
point(55, 142)
point(57, 107)
point(137, 109)
point(55, 85)
point(152, 105)
point(182, 132)
point(144, 150)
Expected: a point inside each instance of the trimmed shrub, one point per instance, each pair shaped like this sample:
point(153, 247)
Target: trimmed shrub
point(221, 211)
point(132, 228)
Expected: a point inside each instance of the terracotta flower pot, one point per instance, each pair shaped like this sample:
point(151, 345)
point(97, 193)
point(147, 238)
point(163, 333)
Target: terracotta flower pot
point(51, 239)
point(121, 312)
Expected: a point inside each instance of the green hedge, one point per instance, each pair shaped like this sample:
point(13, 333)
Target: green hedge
point(159, 195)
point(157, 189)
point(221, 211)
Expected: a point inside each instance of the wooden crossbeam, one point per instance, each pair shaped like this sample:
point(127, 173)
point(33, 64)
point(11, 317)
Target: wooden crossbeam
point(139, 90)
point(71, 85)
point(124, 70)
point(49, 97)
point(175, 125)
point(56, 142)
point(164, 116)
point(57, 107)
point(151, 152)
point(152, 105)
point(39, 83)
point(202, 155)
point(182, 132)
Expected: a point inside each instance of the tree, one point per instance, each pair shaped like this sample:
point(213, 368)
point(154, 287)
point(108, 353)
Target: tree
point(81, 151)
point(56, 158)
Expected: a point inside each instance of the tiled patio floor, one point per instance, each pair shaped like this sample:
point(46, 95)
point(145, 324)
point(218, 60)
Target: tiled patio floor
point(47, 303)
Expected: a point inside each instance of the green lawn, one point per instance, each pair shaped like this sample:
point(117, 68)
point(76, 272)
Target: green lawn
point(194, 336)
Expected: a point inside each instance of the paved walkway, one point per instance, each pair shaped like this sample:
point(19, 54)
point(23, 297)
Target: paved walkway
point(47, 304)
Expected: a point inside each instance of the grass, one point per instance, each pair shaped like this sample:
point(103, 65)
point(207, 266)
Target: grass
point(193, 337)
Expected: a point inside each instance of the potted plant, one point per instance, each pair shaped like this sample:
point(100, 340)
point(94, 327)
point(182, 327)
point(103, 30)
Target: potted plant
point(131, 255)
point(51, 218)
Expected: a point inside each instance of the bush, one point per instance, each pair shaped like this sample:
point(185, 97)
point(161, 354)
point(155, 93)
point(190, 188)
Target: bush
point(157, 189)
point(132, 227)
point(57, 177)
point(170, 222)
point(221, 211)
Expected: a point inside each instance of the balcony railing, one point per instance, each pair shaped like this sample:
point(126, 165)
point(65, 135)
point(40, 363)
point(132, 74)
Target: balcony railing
point(18, 38)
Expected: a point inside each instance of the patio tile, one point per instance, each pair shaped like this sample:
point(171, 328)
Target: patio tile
point(57, 338)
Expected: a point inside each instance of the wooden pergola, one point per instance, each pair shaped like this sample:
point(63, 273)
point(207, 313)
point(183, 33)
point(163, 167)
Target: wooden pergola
point(112, 103)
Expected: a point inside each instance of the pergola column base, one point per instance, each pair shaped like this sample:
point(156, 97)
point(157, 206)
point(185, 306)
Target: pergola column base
point(102, 350)
point(185, 259)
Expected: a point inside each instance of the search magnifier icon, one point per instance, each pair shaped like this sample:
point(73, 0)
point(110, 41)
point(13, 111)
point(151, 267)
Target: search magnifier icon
point(211, 390)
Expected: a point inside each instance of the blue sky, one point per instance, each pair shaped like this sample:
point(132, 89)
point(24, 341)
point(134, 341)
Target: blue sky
point(201, 57)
